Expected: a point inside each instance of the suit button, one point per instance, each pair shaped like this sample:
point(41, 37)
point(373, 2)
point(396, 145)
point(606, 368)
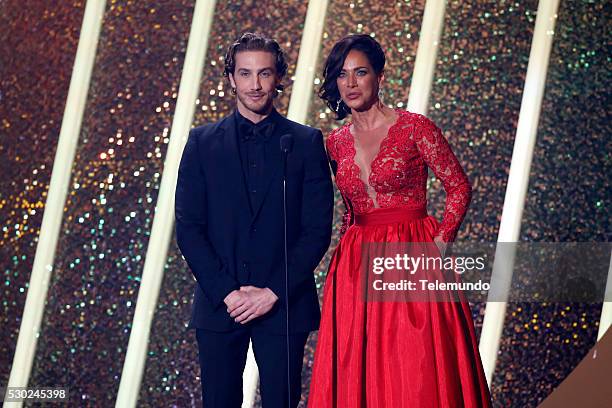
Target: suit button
point(253, 229)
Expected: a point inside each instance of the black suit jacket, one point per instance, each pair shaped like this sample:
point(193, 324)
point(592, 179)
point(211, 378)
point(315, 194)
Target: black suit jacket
point(228, 245)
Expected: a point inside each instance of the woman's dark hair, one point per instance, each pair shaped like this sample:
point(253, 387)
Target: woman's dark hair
point(256, 42)
point(335, 61)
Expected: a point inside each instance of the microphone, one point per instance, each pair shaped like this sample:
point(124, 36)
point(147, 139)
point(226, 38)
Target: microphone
point(286, 145)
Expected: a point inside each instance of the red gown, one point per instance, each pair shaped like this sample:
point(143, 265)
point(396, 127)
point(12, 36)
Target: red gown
point(395, 354)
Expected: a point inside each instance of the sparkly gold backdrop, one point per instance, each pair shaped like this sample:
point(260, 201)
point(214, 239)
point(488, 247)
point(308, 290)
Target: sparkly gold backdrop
point(37, 49)
point(567, 201)
point(111, 198)
point(475, 98)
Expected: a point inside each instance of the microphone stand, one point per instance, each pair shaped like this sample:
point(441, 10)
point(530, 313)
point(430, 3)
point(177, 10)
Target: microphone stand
point(286, 144)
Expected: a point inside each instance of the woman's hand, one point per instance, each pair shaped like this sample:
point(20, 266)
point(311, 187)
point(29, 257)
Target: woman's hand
point(441, 245)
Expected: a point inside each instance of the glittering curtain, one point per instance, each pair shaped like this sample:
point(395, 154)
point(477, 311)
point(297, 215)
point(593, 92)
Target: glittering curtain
point(475, 99)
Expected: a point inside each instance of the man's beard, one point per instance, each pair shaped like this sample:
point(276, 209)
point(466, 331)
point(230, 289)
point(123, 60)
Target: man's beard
point(254, 107)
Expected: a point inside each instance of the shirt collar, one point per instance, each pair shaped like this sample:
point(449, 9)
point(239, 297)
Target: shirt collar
point(256, 131)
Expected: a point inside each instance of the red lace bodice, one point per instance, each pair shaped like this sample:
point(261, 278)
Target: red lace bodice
point(398, 174)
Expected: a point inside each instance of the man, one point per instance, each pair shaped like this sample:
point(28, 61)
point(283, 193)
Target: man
point(229, 226)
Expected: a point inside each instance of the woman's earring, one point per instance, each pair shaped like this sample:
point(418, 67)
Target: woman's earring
point(381, 94)
point(338, 105)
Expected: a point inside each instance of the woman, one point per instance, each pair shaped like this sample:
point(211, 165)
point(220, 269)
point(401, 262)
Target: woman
point(389, 353)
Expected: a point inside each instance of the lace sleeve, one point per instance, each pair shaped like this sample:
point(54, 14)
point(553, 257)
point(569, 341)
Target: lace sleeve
point(439, 157)
point(333, 163)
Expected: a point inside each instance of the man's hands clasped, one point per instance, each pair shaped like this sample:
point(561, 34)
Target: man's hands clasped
point(250, 302)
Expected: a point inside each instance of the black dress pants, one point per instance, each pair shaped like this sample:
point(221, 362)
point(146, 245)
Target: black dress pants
point(222, 359)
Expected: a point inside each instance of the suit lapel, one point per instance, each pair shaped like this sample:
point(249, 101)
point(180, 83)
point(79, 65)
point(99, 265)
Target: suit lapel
point(232, 157)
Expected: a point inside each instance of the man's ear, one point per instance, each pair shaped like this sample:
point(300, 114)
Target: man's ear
point(278, 80)
point(231, 79)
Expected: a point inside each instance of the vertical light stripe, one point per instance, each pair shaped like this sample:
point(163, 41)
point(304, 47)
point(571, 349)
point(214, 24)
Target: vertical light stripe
point(56, 198)
point(606, 311)
point(301, 94)
point(518, 181)
point(250, 379)
point(427, 52)
point(163, 221)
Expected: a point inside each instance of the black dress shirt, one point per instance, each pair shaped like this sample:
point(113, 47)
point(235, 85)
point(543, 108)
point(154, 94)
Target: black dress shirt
point(252, 140)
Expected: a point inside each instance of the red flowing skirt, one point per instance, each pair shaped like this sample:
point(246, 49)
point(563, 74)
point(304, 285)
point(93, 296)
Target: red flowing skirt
point(392, 354)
